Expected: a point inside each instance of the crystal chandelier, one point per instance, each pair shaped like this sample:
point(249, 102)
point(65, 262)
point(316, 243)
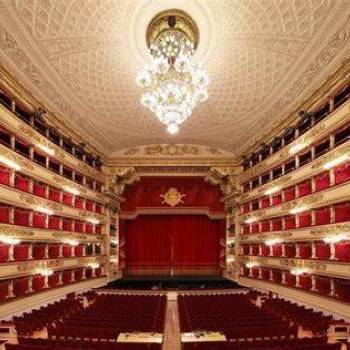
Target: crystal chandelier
point(173, 82)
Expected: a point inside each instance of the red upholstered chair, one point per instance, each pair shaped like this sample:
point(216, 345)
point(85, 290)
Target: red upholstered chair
point(54, 251)
point(305, 281)
point(322, 250)
point(304, 188)
point(289, 193)
point(20, 252)
point(38, 282)
point(67, 224)
point(342, 173)
point(21, 182)
point(290, 250)
point(322, 181)
point(38, 251)
point(21, 217)
point(39, 189)
point(342, 212)
point(54, 194)
point(323, 216)
point(265, 202)
point(342, 251)
point(305, 250)
point(67, 198)
point(277, 250)
point(4, 252)
point(265, 226)
point(289, 222)
point(277, 224)
point(79, 202)
point(277, 199)
point(54, 222)
point(4, 176)
point(4, 214)
point(39, 220)
point(305, 219)
point(89, 205)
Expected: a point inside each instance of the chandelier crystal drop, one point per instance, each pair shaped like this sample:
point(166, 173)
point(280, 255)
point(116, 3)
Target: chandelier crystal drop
point(174, 84)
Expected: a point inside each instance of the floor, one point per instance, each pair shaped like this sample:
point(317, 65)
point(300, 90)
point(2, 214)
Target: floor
point(172, 327)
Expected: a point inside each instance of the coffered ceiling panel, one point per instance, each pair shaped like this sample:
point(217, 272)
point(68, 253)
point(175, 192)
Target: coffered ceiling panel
point(80, 58)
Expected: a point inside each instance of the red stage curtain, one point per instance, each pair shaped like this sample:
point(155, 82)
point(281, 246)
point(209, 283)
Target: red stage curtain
point(289, 194)
point(179, 242)
point(4, 176)
point(322, 181)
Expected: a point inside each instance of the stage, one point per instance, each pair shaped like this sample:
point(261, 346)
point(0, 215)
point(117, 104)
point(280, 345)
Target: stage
point(172, 283)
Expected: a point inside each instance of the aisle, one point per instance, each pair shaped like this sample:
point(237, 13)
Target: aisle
point(172, 327)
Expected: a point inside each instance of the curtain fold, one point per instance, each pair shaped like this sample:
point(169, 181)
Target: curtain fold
point(173, 243)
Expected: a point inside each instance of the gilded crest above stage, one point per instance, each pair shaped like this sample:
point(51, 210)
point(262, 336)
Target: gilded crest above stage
point(173, 197)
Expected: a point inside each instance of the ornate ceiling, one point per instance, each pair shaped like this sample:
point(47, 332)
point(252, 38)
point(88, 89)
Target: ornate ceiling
point(80, 57)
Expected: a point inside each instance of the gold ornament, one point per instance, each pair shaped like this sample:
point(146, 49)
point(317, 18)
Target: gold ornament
point(172, 197)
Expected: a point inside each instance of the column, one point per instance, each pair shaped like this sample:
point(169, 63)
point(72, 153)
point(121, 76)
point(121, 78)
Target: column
point(12, 142)
point(60, 251)
point(331, 141)
point(313, 250)
point(10, 290)
point(46, 281)
point(84, 274)
point(12, 215)
point(11, 253)
point(332, 289)
point(260, 250)
point(12, 178)
point(13, 106)
point(46, 251)
point(313, 283)
point(59, 278)
point(283, 281)
point(30, 220)
point(283, 250)
point(332, 246)
point(84, 250)
point(30, 284)
point(31, 152)
point(330, 100)
point(270, 275)
point(30, 251)
point(297, 250)
point(297, 281)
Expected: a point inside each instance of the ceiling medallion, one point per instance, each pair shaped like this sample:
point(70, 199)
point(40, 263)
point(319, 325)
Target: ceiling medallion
point(173, 82)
